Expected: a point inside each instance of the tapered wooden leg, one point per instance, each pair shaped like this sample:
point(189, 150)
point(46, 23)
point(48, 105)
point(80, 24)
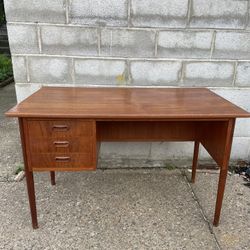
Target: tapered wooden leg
point(32, 198)
point(52, 178)
point(220, 194)
point(195, 160)
point(223, 172)
point(29, 176)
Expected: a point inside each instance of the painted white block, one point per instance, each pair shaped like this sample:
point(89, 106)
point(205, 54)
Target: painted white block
point(50, 70)
point(96, 12)
point(100, 72)
point(136, 150)
point(243, 74)
point(171, 150)
point(219, 14)
point(232, 45)
point(151, 13)
point(155, 73)
point(25, 90)
point(45, 11)
point(240, 148)
point(23, 39)
point(208, 74)
point(65, 40)
point(184, 44)
point(19, 69)
point(127, 43)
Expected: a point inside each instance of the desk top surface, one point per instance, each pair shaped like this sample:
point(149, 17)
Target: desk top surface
point(126, 103)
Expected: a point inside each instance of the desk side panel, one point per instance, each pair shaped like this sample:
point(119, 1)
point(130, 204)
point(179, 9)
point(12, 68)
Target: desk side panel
point(213, 136)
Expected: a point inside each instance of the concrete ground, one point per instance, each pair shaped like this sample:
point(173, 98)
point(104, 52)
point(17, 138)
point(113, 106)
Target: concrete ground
point(117, 208)
point(10, 147)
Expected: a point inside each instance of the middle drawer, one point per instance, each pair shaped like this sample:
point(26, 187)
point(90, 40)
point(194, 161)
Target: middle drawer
point(61, 145)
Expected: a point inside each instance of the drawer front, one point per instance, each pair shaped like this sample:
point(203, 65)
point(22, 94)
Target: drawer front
point(62, 161)
point(60, 128)
point(62, 145)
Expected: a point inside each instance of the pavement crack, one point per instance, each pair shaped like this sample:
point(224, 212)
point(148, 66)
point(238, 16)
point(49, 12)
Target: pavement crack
point(210, 227)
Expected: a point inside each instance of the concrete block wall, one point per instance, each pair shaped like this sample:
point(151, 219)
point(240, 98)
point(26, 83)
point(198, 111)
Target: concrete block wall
point(137, 43)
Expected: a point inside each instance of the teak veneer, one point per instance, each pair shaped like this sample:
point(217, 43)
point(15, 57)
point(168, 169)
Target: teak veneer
point(61, 128)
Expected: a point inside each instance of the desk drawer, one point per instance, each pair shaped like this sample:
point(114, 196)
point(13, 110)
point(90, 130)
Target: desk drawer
point(60, 128)
point(82, 144)
point(61, 144)
point(61, 161)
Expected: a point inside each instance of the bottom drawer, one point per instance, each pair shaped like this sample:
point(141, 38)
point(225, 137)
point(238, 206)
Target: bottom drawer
point(62, 161)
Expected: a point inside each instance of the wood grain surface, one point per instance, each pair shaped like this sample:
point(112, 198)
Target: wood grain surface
point(126, 103)
point(60, 144)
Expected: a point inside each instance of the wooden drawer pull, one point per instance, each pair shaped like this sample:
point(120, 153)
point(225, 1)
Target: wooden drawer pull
point(61, 144)
point(62, 158)
point(60, 127)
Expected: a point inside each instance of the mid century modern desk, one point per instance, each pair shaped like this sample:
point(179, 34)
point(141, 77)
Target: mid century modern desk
point(61, 128)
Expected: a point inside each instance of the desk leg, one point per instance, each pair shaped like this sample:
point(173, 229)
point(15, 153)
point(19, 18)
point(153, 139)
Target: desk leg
point(195, 160)
point(52, 178)
point(223, 172)
point(220, 194)
point(32, 197)
point(29, 176)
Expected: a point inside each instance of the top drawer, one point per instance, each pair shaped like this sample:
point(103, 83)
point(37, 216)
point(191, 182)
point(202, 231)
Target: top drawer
point(60, 128)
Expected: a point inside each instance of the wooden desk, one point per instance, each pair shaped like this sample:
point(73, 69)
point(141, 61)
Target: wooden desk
point(61, 128)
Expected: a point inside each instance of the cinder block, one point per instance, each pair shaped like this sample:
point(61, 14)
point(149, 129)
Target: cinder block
point(240, 148)
point(171, 150)
point(232, 45)
point(127, 43)
point(243, 74)
point(181, 44)
point(155, 73)
point(19, 69)
point(151, 13)
point(46, 11)
point(136, 150)
point(240, 97)
point(204, 155)
point(208, 73)
point(25, 90)
point(218, 14)
point(243, 125)
point(23, 39)
point(49, 70)
point(96, 12)
point(69, 40)
point(100, 72)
